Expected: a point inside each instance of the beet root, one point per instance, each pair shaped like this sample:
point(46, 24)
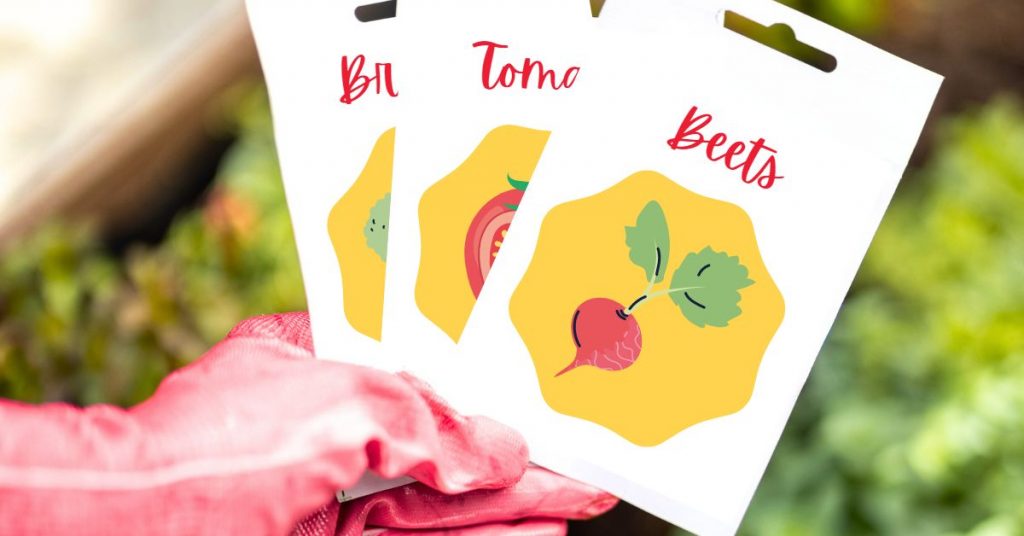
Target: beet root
point(605, 336)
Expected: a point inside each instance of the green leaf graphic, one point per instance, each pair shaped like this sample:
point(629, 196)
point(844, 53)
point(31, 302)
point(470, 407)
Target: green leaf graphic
point(706, 287)
point(648, 241)
point(376, 228)
point(518, 185)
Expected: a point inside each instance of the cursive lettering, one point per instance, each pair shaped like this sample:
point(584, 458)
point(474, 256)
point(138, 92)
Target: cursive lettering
point(755, 160)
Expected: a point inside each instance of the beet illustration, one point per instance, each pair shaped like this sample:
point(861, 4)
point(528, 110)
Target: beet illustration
point(605, 336)
point(705, 288)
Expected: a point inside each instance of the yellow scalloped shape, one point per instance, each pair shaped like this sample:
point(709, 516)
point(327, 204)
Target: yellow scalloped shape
point(684, 374)
point(446, 210)
point(362, 269)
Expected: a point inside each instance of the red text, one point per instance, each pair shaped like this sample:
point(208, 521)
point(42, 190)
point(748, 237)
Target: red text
point(354, 83)
point(754, 159)
point(532, 72)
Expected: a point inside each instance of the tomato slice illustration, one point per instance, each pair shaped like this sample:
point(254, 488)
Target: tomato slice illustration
point(487, 232)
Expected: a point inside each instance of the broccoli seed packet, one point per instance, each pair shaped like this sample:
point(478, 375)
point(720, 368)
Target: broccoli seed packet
point(685, 246)
point(332, 72)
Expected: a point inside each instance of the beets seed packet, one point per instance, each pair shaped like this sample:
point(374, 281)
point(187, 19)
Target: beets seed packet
point(685, 245)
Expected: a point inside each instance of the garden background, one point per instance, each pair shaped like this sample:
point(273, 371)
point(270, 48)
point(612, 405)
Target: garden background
point(912, 421)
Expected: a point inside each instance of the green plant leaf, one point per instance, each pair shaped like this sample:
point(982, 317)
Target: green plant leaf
point(706, 287)
point(648, 241)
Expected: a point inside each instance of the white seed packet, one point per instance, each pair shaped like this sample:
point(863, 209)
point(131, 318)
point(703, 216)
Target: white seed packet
point(683, 251)
point(485, 83)
point(334, 85)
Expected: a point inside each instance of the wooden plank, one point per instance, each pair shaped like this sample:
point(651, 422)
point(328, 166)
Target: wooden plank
point(112, 175)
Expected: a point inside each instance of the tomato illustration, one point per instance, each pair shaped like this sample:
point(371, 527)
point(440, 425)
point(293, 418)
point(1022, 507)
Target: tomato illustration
point(487, 232)
point(462, 218)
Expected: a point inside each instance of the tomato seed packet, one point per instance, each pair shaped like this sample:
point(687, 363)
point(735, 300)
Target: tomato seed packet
point(686, 243)
point(334, 86)
point(486, 83)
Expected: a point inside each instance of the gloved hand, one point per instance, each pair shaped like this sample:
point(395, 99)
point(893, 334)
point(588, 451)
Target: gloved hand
point(257, 436)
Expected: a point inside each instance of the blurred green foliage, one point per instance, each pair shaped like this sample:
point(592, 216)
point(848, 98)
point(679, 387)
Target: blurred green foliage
point(858, 17)
point(855, 16)
point(913, 419)
point(79, 325)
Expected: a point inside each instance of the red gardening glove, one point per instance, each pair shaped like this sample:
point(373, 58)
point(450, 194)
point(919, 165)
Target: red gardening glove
point(256, 435)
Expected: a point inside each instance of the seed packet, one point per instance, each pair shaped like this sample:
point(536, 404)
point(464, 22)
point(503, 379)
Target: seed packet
point(486, 83)
point(331, 73)
point(686, 243)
